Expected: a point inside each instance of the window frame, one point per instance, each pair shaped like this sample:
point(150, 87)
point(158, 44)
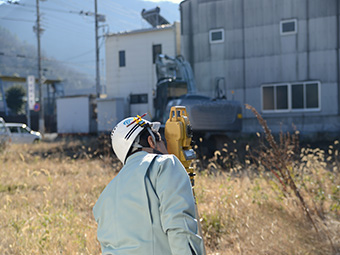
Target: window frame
point(154, 54)
point(290, 32)
point(139, 98)
point(120, 64)
point(275, 101)
point(214, 31)
point(290, 97)
point(305, 109)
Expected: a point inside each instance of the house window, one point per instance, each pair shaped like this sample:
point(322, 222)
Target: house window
point(288, 27)
point(138, 98)
point(216, 36)
point(305, 96)
point(302, 96)
point(268, 98)
point(156, 50)
point(122, 58)
point(275, 97)
point(297, 96)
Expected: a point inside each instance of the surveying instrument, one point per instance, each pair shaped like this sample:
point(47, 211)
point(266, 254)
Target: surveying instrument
point(178, 134)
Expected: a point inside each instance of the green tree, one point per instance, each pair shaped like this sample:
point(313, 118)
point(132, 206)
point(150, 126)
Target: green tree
point(14, 98)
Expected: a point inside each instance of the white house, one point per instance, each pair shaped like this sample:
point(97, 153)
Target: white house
point(130, 64)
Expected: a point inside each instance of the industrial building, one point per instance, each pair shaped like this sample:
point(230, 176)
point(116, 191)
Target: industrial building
point(282, 57)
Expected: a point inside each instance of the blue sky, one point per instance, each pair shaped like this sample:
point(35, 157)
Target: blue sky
point(68, 35)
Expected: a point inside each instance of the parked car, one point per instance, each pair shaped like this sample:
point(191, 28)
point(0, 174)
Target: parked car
point(21, 133)
point(4, 133)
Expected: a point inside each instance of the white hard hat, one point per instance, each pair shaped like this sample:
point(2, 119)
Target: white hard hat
point(125, 132)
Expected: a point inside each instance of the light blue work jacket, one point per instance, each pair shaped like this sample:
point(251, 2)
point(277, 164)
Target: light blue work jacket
point(148, 209)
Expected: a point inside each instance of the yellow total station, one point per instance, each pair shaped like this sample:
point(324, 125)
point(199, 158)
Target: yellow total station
point(178, 135)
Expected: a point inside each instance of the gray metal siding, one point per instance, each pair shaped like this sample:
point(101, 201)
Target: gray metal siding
point(322, 33)
point(255, 53)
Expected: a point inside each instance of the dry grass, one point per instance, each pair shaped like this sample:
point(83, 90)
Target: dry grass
point(47, 192)
point(46, 200)
point(246, 216)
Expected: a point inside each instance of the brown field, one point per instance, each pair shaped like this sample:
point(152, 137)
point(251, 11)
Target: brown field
point(47, 192)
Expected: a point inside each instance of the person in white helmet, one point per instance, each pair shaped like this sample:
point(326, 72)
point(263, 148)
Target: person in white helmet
point(148, 208)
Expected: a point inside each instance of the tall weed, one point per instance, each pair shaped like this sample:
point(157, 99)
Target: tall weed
point(297, 171)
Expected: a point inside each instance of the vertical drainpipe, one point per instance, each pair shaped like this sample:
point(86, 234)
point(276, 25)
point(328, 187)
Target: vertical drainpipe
point(244, 52)
point(307, 41)
point(307, 58)
point(191, 39)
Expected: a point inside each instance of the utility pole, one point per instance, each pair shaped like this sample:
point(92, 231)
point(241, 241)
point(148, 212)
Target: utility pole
point(98, 18)
point(41, 98)
point(97, 50)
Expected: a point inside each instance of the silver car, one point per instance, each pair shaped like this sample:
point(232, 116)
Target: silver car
point(21, 133)
point(4, 133)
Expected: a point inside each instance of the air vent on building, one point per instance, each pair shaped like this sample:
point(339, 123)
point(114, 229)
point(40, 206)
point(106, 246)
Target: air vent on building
point(288, 27)
point(216, 35)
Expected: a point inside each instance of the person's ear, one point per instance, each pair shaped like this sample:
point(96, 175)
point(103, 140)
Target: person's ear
point(151, 143)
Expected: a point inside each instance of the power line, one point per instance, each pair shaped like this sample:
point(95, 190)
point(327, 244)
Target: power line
point(86, 52)
point(70, 4)
point(66, 25)
point(80, 55)
point(2, 54)
point(23, 20)
point(44, 8)
point(82, 13)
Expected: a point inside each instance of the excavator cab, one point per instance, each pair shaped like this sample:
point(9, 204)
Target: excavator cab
point(167, 90)
point(176, 86)
point(172, 83)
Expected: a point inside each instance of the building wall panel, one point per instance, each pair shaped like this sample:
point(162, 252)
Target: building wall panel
point(139, 74)
point(322, 8)
point(323, 65)
point(255, 52)
point(322, 34)
point(233, 45)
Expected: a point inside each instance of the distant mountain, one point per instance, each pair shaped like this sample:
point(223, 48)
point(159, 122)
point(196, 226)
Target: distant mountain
point(68, 40)
point(19, 58)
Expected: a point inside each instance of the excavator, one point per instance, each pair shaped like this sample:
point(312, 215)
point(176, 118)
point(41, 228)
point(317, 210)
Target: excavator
point(208, 116)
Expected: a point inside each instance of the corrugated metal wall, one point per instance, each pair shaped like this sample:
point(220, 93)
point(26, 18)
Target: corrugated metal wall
point(255, 53)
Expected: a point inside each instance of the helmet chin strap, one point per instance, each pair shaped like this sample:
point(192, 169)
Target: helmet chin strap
point(136, 146)
point(151, 150)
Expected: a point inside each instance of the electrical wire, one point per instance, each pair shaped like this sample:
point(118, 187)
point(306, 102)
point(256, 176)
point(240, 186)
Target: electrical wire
point(80, 55)
point(69, 3)
point(45, 23)
point(2, 54)
point(87, 52)
point(22, 20)
point(30, 6)
point(66, 25)
point(119, 9)
point(43, 20)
